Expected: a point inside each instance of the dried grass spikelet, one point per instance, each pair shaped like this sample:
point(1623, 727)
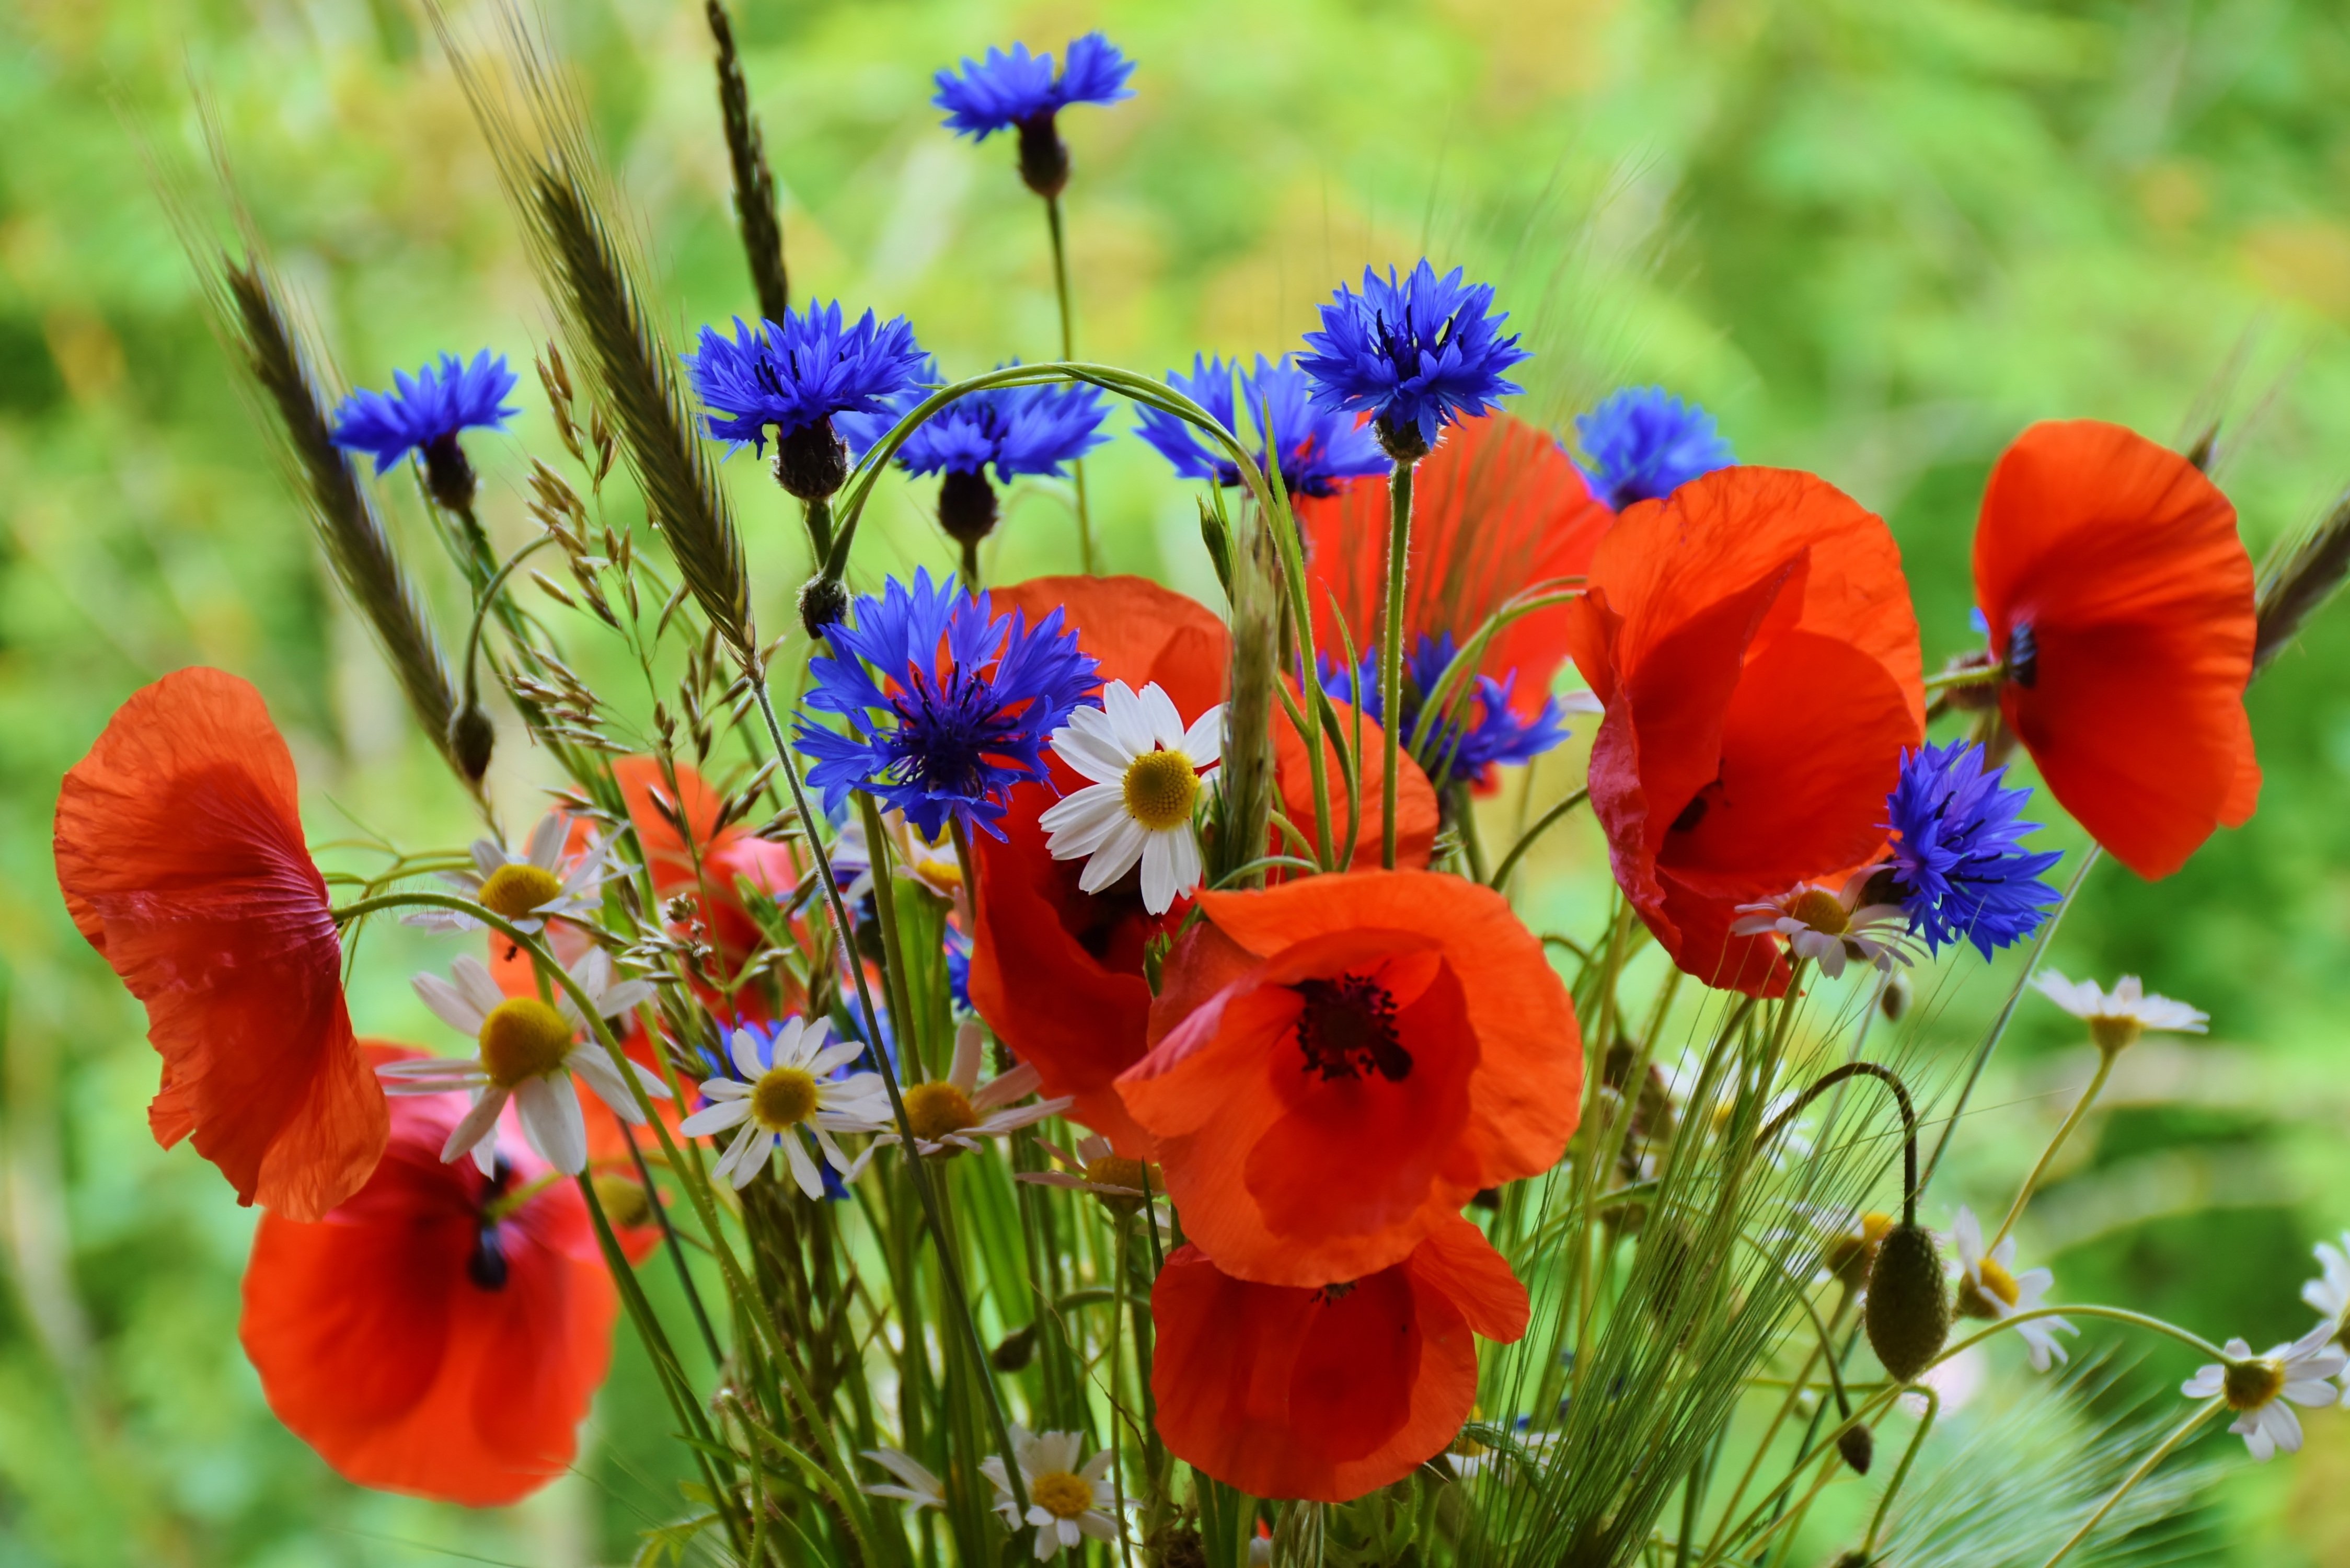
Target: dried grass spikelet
point(755, 182)
point(589, 269)
point(2299, 577)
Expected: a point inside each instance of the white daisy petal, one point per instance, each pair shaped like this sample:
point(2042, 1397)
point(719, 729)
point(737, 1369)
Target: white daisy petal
point(804, 1171)
point(478, 1125)
point(1017, 1084)
point(546, 841)
point(715, 1117)
point(473, 980)
point(448, 1004)
point(1203, 742)
point(1158, 873)
point(1158, 712)
point(1115, 857)
point(745, 1048)
point(551, 1120)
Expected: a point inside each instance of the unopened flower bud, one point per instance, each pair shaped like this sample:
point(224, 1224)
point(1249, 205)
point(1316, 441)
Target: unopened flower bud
point(1016, 1351)
point(1044, 156)
point(1893, 999)
point(812, 461)
point(1858, 1449)
point(1908, 1311)
point(626, 1202)
point(471, 738)
point(1402, 442)
point(967, 505)
point(823, 602)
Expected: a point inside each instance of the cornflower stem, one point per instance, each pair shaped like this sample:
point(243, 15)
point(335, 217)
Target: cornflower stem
point(1464, 814)
point(675, 1249)
point(819, 529)
point(1070, 351)
point(2040, 1167)
point(1501, 877)
point(950, 1266)
point(2146, 1467)
point(1391, 652)
point(1901, 1473)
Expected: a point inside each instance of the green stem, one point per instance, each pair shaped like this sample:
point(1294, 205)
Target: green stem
point(2162, 1451)
point(1908, 1457)
point(1070, 351)
point(819, 530)
point(2080, 1109)
point(1500, 876)
point(1391, 652)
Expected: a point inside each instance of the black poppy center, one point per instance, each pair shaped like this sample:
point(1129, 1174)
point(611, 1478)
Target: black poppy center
point(1347, 1029)
point(485, 1265)
point(2023, 656)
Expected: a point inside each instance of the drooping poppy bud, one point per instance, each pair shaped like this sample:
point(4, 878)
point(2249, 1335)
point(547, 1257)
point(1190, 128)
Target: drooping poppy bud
point(1909, 1310)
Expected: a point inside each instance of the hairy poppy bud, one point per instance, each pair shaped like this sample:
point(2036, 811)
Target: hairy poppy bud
point(1857, 1447)
point(1893, 999)
point(1908, 1311)
point(1181, 1547)
point(471, 738)
point(822, 602)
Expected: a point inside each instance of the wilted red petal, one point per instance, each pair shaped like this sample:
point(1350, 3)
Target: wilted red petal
point(2125, 561)
point(179, 847)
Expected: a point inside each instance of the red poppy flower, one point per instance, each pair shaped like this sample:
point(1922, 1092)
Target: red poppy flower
point(1327, 1394)
point(1395, 1042)
point(1751, 639)
point(2119, 600)
point(180, 851)
point(1057, 972)
point(1496, 508)
point(423, 1343)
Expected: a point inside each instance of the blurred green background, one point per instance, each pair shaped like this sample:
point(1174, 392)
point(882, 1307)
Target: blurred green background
point(1875, 239)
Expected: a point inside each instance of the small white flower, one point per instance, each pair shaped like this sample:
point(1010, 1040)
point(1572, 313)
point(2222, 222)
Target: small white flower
point(1989, 1287)
point(1098, 1168)
point(2118, 1017)
point(918, 1489)
point(1830, 927)
point(954, 1112)
point(530, 888)
point(2263, 1389)
point(1066, 1500)
point(1145, 767)
point(788, 1090)
point(1681, 1081)
point(528, 1053)
point(2329, 1293)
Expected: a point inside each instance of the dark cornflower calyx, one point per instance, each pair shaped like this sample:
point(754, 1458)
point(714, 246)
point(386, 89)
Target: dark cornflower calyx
point(424, 414)
point(811, 463)
point(1021, 92)
point(1316, 447)
point(1416, 354)
point(1347, 1029)
point(1907, 1314)
point(1958, 865)
point(823, 602)
point(795, 377)
point(967, 508)
point(1484, 730)
point(1642, 444)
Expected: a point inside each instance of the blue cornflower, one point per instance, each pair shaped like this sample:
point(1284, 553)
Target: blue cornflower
point(424, 416)
point(1643, 443)
point(1020, 90)
point(1460, 750)
point(1318, 446)
point(958, 947)
point(948, 705)
point(796, 375)
point(1958, 866)
point(1416, 355)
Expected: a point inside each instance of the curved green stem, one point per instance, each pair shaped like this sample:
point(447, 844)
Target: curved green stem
point(1908, 1457)
point(1501, 877)
point(483, 603)
point(2040, 1167)
point(2162, 1451)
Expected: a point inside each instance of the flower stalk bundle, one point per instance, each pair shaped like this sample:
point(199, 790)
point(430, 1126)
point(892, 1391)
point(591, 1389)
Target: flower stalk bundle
point(1093, 1089)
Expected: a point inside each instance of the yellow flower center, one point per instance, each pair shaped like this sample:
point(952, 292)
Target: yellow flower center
point(2114, 1036)
point(1117, 1170)
point(1061, 1494)
point(514, 891)
point(1998, 1285)
point(2249, 1385)
point(937, 1109)
point(1160, 789)
point(1850, 1255)
point(1821, 910)
point(524, 1038)
point(783, 1098)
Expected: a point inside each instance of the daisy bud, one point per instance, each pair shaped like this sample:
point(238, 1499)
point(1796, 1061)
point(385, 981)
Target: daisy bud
point(1909, 1310)
point(823, 601)
point(1857, 1447)
point(471, 738)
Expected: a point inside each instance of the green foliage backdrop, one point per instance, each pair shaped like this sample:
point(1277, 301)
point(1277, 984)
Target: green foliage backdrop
point(1875, 239)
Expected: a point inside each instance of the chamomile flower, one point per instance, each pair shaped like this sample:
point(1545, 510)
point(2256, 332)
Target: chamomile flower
point(1681, 1081)
point(2329, 1293)
point(1098, 1168)
point(529, 888)
point(529, 1052)
point(1989, 1288)
point(788, 1088)
point(2118, 1017)
point(1832, 927)
point(1066, 1500)
point(917, 1488)
point(953, 1113)
point(1146, 769)
point(2262, 1389)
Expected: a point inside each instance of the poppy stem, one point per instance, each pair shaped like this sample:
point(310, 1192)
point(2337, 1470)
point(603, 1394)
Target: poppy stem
point(1501, 877)
point(2040, 1167)
point(1391, 653)
point(1900, 1091)
point(2162, 1451)
point(1901, 1473)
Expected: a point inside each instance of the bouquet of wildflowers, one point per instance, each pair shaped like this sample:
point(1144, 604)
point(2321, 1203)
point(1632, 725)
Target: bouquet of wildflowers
point(1073, 1053)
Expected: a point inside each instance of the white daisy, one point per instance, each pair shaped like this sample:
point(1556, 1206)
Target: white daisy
point(786, 1088)
point(2118, 1017)
point(1989, 1287)
point(529, 1052)
point(530, 888)
point(918, 1489)
point(1066, 1500)
point(2258, 1388)
point(954, 1112)
point(1830, 927)
point(1145, 767)
point(2329, 1293)
point(1098, 1168)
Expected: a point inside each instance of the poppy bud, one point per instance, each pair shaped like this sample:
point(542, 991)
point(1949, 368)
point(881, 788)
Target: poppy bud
point(625, 1203)
point(1908, 1311)
point(1181, 1547)
point(1857, 1447)
point(812, 461)
point(1893, 999)
point(967, 505)
point(471, 738)
point(1044, 156)
point(822, 602)
point(1016, 1351)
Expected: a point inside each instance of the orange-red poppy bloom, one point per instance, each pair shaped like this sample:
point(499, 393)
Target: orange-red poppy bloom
point(1379, 1046)
point(1753, 641)
point(443, 1332)
point(2119, 600)
point(1496, 508)
point(1057, 972)
point(1327, 1394)
point(179, 848)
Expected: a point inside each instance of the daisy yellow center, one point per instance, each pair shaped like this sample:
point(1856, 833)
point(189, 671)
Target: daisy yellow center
point(514, 891)
point(783, 1098)
point(2112, 1036)
point(1061, 1494)
point(2249, 1385)
point(1117, 1170)
point(937, 1109)
point(524, 1038)
point(1821, 910)
point(1990, 1288)
point(1161, 790)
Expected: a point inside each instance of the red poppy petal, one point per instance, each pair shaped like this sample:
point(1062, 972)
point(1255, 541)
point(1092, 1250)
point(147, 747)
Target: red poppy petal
point(1416, 816)
point(1138, 633)
point(1457, 1259)
point(179, 843)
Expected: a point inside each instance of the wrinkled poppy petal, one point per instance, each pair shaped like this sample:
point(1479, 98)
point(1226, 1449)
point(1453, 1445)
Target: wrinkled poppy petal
point(179, 847)
point(1416, 811)
point(2124, 562)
